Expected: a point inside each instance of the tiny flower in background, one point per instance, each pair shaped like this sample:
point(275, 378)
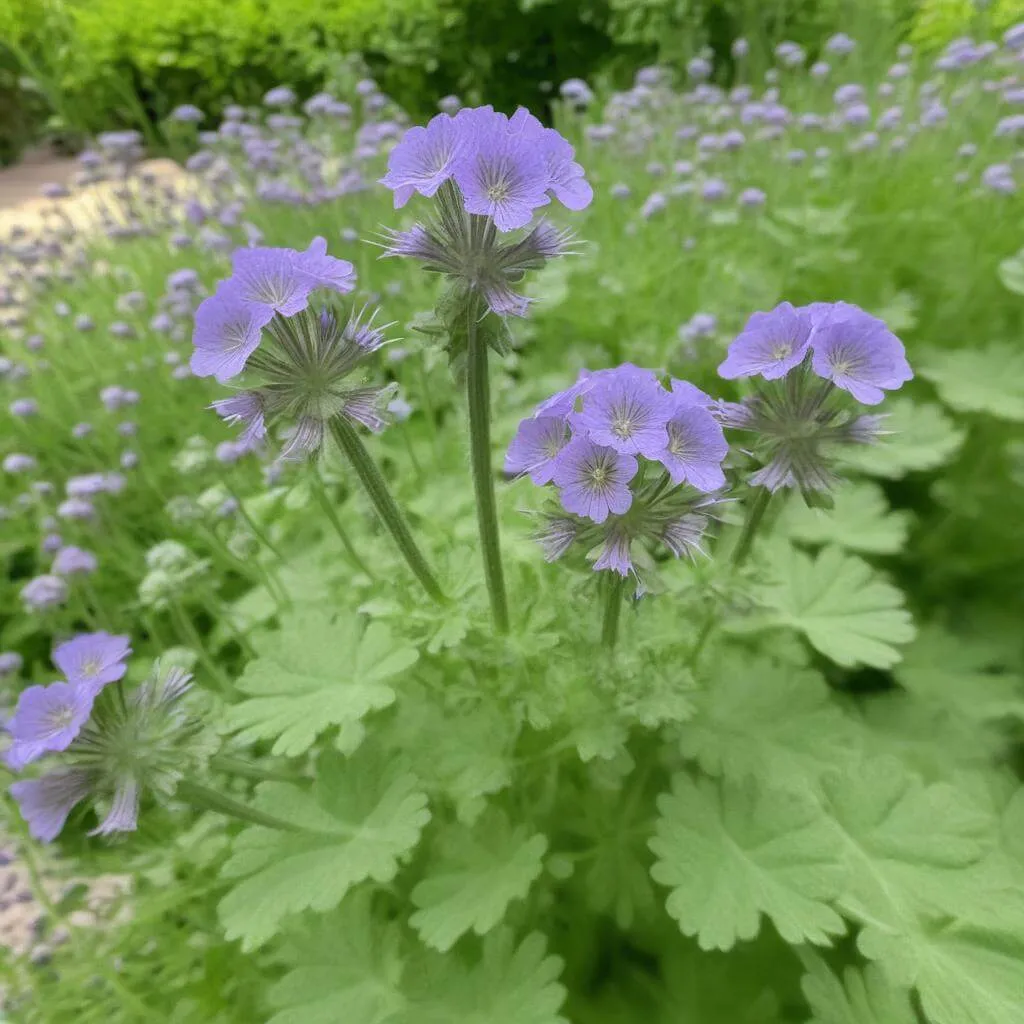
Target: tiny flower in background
point(19, 463)
point(71, 561)
point(44, 592)
point(186, 114)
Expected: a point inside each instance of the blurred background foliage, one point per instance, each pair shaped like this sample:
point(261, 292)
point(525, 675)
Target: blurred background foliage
point(69, 68)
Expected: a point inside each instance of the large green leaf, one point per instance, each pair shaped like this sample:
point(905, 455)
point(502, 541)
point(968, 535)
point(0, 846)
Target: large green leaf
point(859, 997)
point(315, 673)
point(986, 380)
point(839, 603)
point(861, 521)
point(731, 853)
point(756, 719)
point(480, 871)
point(361, 818)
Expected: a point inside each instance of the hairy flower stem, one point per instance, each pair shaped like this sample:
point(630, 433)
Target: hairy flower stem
point(246, 770)
point(478, 389)
point(612, 613)
point(377, 489)
point(755, 513)
point(329, 510)
point(754, 517)
point(205, 799)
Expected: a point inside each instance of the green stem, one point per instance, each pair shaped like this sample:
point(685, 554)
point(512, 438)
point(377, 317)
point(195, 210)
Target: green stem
point(391, 515)
point(478, 389)
point(246, 770)
point(205, 799)
point(332, 514)
point(612, 613)
point(755, 513)
point(192, 637)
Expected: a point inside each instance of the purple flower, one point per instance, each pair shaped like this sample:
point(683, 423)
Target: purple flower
point(280, 280)
point(858, 353)
point(44, 592)
point(280, 96)
point(535, 446)
point(187, 114)
point(557, 536)
point(76, 508)
point(614, 553)
point(503, 174)
point(423, 161)
point(564, 402)
point(45, 803)
point(92, 660)
point(24, 407)
point(770, 344)
point(999, 178)
point(227, 331)
point(1013, 37)
point(594, 481)
point(566, 180)
point(626, 410)
point(18, 463)
point(47, 720)
point(682, 535)
point(752, 197)
point(696, 448)
point(71, 560)
point(245, 408)
point(840, 43)
point(1012, 126)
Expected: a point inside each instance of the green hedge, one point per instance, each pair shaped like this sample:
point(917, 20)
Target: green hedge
point(100, 63)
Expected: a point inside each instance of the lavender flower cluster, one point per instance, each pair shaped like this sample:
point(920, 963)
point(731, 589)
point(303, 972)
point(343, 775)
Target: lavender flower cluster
point(619, 448)
point(505, 167)
point(114, 746)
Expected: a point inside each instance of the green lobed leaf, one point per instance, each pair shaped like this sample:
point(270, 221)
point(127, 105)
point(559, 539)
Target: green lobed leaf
point(859, 997)
point(480, 871)
point(347, 959)
point(860, 521)
point(965, 675)
point(756, 719)
point(983, 380)
point(315, 673)
point(362, 816)
point(731, 853)
point(847, 612)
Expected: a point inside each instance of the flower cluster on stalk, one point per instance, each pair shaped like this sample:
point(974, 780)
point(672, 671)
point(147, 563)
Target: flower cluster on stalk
point(489, 173)
point(809, 359)
point(637, 466)
point(114, 744)
point(302, 367)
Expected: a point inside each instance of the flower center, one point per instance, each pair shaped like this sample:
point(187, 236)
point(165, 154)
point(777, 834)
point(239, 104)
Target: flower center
point(600, 475)
point(623, 424)
point(60, 718)
point(499, 191)
point(91, 667)
point(781, 350)
point(677, 445)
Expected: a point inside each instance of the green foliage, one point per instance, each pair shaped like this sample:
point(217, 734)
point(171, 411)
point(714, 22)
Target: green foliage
point(792, 792)
point(843, 608)
point(732, 852)
point(479, 872)
point(360, 820)
point(313, 675)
